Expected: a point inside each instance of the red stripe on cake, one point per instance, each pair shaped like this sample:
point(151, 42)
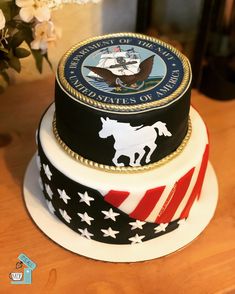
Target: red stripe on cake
point(198, 185)
point(116, 198)
point(179, 193)
point(147, 203)
point(203, 169)
point(169, 197)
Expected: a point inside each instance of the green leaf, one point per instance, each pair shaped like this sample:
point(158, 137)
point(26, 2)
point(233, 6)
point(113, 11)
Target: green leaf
point(38, 59)
point(21, 52)
point(27, 33)
point(48, 61)
point(15, 63)
point(17, 39)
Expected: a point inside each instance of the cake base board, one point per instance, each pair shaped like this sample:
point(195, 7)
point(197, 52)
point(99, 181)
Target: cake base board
point(200, 215)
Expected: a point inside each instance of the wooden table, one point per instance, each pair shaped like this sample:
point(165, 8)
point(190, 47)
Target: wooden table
point(207, 265)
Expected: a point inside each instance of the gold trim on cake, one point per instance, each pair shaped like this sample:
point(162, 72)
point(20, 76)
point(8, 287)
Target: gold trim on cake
point(128, 169)
point(82, 98)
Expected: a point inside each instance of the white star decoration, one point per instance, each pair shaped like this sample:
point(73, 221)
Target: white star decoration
point(136, 239)
point(110, 214)
point(137, 224)
point(63, 195)
point(160, 228)
point(86, 218)
point(50, 206)
point(64, 214)
point(85, 233)
point(48, 190)
point(38, 161)
point(47, 171)
point(109, 233)
point(85, 198)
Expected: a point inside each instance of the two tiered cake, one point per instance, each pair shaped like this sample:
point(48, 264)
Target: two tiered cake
point(122, 156)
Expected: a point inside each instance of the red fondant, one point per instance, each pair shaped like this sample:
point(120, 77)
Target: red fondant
point(147, 203)
point(198, 185)
point(116, 198)
point(167, 200)
point(203, 168)
point(179, 193)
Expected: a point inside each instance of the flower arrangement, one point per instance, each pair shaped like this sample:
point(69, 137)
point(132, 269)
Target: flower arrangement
point(26, 22)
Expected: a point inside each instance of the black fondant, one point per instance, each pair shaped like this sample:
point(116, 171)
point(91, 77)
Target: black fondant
point(78, 126)
point(161, 75)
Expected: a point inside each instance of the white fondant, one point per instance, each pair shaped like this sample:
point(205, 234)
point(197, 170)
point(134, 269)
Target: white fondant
point(130, 203)
point(36, 137)
point(135, 183)
point(38, 160)
point(130, 141)
point(40, 183)
point(50, 206)
point(182, 223)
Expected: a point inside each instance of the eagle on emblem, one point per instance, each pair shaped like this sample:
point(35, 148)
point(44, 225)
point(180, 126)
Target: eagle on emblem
point(131, 81)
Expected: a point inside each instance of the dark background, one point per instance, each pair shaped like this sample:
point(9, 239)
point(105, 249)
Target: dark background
point(204, 30)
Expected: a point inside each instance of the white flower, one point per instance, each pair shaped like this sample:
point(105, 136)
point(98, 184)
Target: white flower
point(53, 4)
point(2, 20)
point(34, 8)
point(80, 1)
point(44, 33)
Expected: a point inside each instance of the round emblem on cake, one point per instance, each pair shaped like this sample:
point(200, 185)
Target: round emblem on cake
point(124, 69)
point(124, 72)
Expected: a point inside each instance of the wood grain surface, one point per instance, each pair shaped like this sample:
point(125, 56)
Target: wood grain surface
point(207, 265)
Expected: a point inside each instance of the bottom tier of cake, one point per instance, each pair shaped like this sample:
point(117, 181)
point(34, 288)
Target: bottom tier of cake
point(122, 208)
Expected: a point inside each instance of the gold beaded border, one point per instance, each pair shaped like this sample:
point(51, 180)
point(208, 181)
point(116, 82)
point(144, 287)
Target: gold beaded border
point(80, 97)
point(119, 169)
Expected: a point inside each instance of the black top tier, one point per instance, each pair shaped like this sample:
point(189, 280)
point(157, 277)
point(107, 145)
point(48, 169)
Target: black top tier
point(122, 100)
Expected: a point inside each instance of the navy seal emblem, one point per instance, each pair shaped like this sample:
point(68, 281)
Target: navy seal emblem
point(122, 71)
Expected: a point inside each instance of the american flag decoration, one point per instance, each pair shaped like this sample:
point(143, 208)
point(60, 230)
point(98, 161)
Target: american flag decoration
point(163, 204)
point(117, 49)
point(100, 217)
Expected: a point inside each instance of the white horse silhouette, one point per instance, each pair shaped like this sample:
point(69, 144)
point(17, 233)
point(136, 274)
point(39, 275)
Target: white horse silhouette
point(130, 141)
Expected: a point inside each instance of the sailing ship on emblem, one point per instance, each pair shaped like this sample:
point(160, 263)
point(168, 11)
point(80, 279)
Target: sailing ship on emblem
point(123, 71)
